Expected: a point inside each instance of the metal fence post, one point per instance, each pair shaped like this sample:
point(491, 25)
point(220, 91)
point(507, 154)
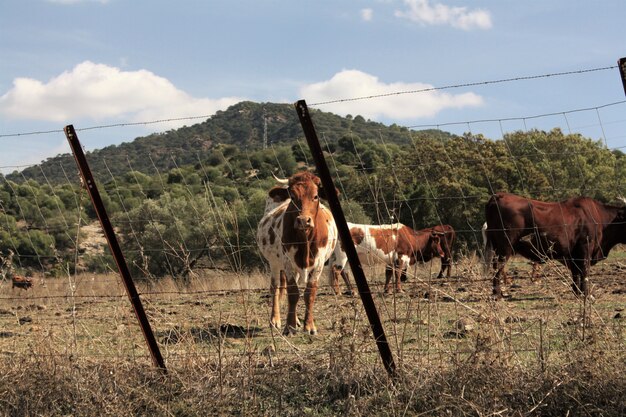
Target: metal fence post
point(622, 70)
point(133, 295)
point(346, 239)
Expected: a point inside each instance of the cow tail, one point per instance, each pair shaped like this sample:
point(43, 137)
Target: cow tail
point(488, 252)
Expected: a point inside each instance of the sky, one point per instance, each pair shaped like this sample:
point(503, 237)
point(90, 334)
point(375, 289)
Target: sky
point(118, 62)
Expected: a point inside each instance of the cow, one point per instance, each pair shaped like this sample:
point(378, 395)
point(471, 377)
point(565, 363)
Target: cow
point(21, 282)
point(578, 232)
point(395, 245)
point(296, 237)
point(488, 258)
point(447, 242)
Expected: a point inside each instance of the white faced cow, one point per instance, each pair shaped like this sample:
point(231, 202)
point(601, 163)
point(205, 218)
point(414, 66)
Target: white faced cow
point(395, 245)
point(296, 235)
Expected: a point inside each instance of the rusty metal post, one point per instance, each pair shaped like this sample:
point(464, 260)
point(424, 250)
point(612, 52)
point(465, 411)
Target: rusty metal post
point(622, 71)
point(133, 295)
point(346, 239)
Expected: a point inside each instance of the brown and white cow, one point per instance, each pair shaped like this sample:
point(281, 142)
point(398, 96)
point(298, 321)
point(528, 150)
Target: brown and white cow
point(296, 236)
point(577, 232)
point(395, 245)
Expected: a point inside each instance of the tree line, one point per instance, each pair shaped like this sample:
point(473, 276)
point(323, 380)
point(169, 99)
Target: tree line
point(203, 213)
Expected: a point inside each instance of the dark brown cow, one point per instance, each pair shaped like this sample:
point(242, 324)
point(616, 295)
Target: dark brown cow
point(577, 232)
point(395, 245)
point(488, 258)
point(296, 235)
point(22, 282)
point(447, 242)
point(448, 236)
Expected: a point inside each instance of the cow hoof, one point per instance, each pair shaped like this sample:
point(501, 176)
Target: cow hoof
point(290, 331)
point(276, 324)
point(311, 331)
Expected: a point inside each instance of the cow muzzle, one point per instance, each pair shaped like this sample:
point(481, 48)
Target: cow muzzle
point(304, 223)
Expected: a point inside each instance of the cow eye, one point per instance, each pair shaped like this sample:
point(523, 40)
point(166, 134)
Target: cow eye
point(316, 198)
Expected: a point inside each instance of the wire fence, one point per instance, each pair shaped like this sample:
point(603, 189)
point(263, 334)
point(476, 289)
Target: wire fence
point(187, 230)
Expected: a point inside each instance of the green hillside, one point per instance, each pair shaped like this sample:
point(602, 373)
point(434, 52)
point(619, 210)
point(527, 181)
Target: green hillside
point(191, 198)
point(247, 125)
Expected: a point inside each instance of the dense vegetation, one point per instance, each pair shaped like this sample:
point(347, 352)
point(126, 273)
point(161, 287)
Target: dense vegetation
point(192, 197)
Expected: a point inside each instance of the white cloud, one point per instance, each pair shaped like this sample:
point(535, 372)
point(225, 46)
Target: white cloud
point(367, 14)
point(99, 92)
point(355, 84)
point(421, 11)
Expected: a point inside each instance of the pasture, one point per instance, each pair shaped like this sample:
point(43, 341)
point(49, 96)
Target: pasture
point(72, 347)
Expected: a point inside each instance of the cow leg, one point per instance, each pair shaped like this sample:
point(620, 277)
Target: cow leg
point(398, 275)
point(276, 297)
point(497, 281)
point(335, 271)
point(579, 276)
point(346, 279)
point(445, 265)
point(293, 295)
point(497, 287)
point(283, 284)
point(389, 271)
point(403, 276)
point(506, 278)
point(309, 300)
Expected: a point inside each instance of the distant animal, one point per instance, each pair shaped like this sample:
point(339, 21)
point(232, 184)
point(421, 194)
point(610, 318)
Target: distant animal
point(21, 282)
point(577, 232)
point(395, 245)
point(296, 236)
point(447, 243)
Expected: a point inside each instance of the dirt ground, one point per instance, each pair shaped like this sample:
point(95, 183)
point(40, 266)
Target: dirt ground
point(73, 346)
point(91, 315)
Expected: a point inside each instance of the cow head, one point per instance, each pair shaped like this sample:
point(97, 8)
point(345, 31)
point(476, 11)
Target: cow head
point(435, 243)
point(305, 190)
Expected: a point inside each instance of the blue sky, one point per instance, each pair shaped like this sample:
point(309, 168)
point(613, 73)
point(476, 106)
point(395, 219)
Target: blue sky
point(101, 62)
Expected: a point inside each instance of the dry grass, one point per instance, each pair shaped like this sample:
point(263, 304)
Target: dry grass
point(72, 347)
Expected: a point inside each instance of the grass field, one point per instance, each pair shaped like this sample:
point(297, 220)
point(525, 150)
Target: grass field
point(73, 347)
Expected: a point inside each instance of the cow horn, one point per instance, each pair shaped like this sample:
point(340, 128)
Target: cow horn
point(284, 181)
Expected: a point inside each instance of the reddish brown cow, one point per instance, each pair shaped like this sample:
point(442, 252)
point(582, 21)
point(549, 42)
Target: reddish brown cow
point(395, 245)
point(448, 236)
point(488, 257)
point(577, 232)
point(296, 235)
point(22, 282)
point(447, 242)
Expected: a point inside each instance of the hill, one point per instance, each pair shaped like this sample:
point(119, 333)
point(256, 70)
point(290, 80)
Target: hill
point(247, 125)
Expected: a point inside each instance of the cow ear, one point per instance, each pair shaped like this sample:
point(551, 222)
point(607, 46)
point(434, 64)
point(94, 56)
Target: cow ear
point(279, 194)
point(322, 193)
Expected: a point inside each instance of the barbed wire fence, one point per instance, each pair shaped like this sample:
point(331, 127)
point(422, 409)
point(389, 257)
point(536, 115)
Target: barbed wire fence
point(213, 304)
